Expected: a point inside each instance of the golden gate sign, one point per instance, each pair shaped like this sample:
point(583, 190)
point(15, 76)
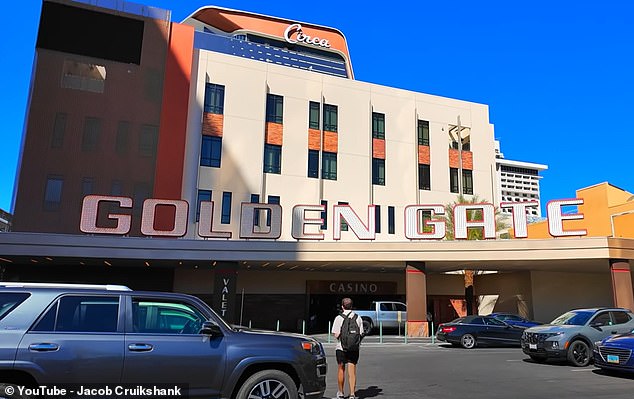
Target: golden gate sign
point(305, 227)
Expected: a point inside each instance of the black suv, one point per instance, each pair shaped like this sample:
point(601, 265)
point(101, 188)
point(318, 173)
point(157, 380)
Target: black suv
point(55, 334)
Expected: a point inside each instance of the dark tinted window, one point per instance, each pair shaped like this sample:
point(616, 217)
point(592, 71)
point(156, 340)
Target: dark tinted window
point(165, 317)
point(477, 320)
point(85, 35)
point(602, 319)
point(10, 301)
point(494, 322)
point(81, 314)
point(400, 307)
point(620, 317)
point(385, 307)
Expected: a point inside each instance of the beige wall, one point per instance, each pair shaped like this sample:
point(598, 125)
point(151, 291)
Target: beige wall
point(513, 289)
point(555, 292)
point(246, 83)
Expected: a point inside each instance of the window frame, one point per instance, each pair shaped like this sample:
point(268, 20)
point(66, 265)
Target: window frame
point(200, 198)
point(313, 164)
point(467, 181)
point(329, 165)
point(331, 118)
point(275, 166)
point(274, 108)
point(214, 144)
point(378, 166)
point(378, 125)
point(225, 217)
point(454, 186)
point(313, 115)
point(423, 132)
point(424, 176)
point(53, 205)
point(214, 101)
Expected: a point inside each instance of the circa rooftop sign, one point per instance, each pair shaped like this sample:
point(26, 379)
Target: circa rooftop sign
point(294, 34)
point(306, 220)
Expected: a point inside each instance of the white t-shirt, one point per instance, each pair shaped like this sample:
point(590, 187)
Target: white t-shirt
point(336, 325)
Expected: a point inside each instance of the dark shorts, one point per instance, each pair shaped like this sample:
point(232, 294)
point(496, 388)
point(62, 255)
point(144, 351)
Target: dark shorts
point(344, 357)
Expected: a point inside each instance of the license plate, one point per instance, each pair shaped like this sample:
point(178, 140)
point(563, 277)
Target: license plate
point(532, 346)
point(613, 359)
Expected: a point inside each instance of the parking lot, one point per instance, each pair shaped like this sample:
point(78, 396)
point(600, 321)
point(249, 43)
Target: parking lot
point(425, 370)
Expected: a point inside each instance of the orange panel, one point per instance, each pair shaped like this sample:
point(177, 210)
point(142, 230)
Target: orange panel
point(467, 160)
point(274, 133)
point(213, 124)
point(314, 139)
point(378, 148)
point(331, 140)
point(454, 161)
point(233, 20)
point(423, 155)
point(168, 178)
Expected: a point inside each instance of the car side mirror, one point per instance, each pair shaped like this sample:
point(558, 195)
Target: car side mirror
point(596, 325)
point(211, 329)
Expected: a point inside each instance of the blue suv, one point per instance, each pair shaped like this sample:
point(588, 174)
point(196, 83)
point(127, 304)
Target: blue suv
point(56, 334)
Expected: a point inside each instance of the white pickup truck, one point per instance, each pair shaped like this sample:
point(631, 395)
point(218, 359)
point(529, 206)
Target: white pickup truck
point(388, 313)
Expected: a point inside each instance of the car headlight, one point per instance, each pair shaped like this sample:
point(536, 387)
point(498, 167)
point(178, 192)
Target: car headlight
point(314, 347)
point(554, 334)
point(597, 344)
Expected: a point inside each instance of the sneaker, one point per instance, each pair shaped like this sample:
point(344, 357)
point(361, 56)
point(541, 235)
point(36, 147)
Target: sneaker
point(340, 395)
point(353, 397)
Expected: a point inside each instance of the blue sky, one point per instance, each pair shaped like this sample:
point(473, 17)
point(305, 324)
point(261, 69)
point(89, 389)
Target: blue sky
point(558, 76)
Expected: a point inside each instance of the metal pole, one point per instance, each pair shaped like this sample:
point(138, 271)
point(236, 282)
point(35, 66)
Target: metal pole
point(249, 323)
point(242, 306)
point(405, 332)
point(329, 328)
point(304, 327)
point(380, 331)
point(278, 325)
point(433, 337)
point(460, 187)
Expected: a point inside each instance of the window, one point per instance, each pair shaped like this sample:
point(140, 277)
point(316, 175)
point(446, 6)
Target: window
point(160, 316)
point(378, 171)
point(203, 195)
point(378, 125)
point(324, 215)
point(619, 317)
point(214, 98)
point(255, 199)
point(313, 163)
point(494, 322)
point(453, 180)
point(329, 165)
point(116, 188)
point(81, 314)
point(140, 194)
point(10, 301)
point(343, 224)
point(53, 193)
point(330, 118)
point(273, 199)
point(211, 151)
point(226, 208)
point(81, 76)
point(467, 181)
point(424, 177)
point(272, 158)
point(477, 320)
point(423, 132)
point(390, 220)
point(274, 108)
point(148, 141)
point(87, 186)
point(602, 319)
point(59, 128)
point(377, 218)
point(123, 136)
point(313, 115)
point(90, 138)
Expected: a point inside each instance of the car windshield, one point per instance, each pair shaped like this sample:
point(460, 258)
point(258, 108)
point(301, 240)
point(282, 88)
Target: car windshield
point(574, 318)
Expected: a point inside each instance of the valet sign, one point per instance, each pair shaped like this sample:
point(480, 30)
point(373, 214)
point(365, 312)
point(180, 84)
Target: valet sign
point(295, 34)
point(306, 220)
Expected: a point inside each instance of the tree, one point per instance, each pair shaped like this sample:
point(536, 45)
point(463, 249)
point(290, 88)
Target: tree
point(472, 234)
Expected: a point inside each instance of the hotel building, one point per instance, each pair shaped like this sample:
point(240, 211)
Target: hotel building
point(178, 156)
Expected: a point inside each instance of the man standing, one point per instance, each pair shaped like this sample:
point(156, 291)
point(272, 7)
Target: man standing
point(349, 355)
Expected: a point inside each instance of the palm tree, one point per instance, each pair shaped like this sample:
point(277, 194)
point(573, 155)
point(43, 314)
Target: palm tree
point(472, 234)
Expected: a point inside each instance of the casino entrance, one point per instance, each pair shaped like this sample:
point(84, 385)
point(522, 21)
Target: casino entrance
point(324, 299)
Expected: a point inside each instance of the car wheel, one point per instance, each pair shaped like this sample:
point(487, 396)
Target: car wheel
point(10, 391)
point(468, 341)
point(579, 354)
point(367, 327)
point(537, 359)
point(269, 384)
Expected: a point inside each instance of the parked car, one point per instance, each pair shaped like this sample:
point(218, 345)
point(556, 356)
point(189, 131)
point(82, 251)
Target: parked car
point(615, 353)
point(77, 334)
point(515, 320)
point(571, 336)
point(472, 331)
point(385, 313)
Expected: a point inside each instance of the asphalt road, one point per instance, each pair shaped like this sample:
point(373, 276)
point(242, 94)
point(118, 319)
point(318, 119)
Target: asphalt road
point(433, 371)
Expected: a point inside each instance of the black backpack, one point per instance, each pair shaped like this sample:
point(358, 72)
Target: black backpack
point(350, 334)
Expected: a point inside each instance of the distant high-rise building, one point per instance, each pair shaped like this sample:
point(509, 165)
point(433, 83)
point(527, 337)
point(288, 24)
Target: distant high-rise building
point(518, 181)
point(5, 220)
